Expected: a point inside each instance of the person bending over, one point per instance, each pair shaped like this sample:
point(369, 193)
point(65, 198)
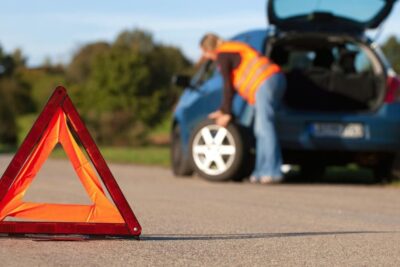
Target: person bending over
point(262, 84)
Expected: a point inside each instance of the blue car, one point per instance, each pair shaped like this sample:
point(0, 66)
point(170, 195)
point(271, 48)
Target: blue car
point(341, 105)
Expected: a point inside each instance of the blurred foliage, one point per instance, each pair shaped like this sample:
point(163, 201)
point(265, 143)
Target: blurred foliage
point(8, 127)
point(79, 68)
point(15, 95)
point(123, 89)
point(391, 48)
point(43, 80)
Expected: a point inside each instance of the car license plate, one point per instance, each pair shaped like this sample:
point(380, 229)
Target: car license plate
point(338, 130)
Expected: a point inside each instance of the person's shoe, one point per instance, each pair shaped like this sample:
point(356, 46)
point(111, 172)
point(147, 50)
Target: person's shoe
point(253, 179)
point(268, 180)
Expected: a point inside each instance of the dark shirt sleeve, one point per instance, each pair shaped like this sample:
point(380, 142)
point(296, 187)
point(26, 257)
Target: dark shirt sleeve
point(227, 62)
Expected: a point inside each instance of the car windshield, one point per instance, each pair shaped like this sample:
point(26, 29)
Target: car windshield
point(356, 10)
point(205, 71)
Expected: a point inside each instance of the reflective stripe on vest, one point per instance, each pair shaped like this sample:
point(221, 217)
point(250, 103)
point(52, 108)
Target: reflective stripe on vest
point(252, 71)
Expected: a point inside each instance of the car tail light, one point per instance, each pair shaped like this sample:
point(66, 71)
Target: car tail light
point(393, 89)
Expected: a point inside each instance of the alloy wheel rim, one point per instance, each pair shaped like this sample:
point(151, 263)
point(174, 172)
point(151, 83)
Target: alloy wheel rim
point(213, 149)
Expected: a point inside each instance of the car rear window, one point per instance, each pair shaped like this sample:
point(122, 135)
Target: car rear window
point(357, 10)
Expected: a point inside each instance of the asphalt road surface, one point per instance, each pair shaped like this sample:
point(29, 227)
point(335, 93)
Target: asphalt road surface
point(192, 222)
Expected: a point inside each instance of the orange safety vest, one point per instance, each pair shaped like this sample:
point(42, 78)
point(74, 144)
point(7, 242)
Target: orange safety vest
point(252, 71)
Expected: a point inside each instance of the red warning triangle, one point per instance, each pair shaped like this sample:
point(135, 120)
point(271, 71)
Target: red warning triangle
point(53, 127)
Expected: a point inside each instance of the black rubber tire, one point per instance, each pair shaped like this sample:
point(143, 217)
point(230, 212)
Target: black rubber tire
point(387, 170)
point(180, 164)
point(238, 168)
point(395, 168)
point(312, 171)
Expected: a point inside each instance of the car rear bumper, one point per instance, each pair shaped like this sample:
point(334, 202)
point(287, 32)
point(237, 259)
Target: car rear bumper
point(381, 130)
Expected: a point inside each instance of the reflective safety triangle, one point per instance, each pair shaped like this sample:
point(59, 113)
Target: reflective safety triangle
point(55, 125)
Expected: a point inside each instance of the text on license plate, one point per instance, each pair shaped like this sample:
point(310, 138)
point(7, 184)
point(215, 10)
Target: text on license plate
point(341, 130)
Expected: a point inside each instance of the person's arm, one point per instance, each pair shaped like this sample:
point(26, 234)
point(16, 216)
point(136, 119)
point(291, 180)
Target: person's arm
point(227, 63)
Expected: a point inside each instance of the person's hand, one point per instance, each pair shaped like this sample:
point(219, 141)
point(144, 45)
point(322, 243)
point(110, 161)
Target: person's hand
point(215, 115)
point(220, 118)
point(223, 120)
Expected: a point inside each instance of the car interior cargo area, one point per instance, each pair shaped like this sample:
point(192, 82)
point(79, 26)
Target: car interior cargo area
point(329, 73)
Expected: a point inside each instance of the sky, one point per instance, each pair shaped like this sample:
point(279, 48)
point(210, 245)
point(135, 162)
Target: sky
point(55, 29)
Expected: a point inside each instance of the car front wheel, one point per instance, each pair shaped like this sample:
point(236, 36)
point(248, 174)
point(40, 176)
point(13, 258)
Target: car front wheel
point(218, 153)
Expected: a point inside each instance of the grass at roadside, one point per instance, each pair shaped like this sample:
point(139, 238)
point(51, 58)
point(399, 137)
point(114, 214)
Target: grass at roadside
point(6, 149)
point(149, 155)
point(396, 183)
point(146, 155)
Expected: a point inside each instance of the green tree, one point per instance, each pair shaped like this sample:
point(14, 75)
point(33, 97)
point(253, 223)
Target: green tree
point(79, 69)
point(8, 126)
point(14, 95)
point(126, 87)
point(42, 81)
point(391, 48)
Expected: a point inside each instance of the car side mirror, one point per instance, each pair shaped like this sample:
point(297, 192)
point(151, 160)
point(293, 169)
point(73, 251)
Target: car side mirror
point(181, 80)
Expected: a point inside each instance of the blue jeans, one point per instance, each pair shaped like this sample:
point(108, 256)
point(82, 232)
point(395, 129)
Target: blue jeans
point(268, 152)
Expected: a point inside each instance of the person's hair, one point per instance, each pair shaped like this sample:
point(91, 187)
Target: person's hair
point(210, 41)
